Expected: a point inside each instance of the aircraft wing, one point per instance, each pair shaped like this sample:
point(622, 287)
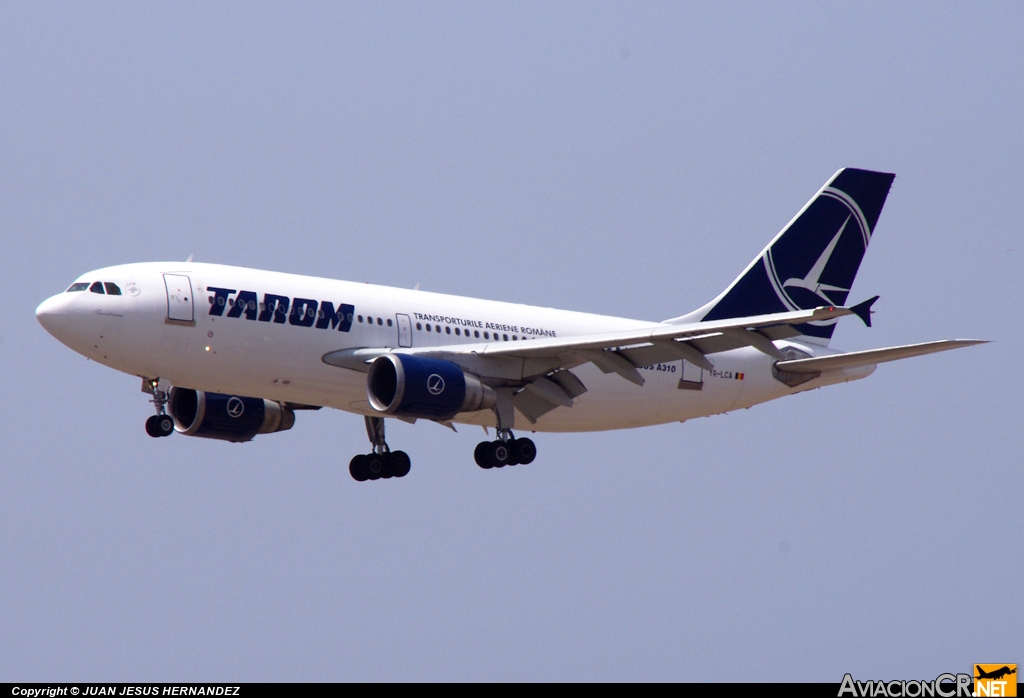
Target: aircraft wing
point(541, 367)
point(857, 359)
point(613, 352)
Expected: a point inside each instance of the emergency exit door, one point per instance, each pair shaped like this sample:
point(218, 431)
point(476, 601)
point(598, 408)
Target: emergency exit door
point(179, 298)
point(404, 330)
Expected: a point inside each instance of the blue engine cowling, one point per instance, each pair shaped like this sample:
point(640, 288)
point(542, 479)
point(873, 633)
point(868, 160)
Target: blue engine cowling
point(226, 417)
point(413, 386)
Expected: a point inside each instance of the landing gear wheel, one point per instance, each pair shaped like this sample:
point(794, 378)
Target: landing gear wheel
point(524, 450)
point(382, 462)
point(374, 466)
point(163, 425)
point(356, 470)
point(501, 454)
point(389, 466)
point(401, 464)
point(498, 454)
point(482, 455)
point(159, 425)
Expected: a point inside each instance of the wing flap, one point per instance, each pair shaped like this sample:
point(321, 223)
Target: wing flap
point(611, 362)
point(531, 405)
point(661, 352)
point(651, 354)
point(870, 357)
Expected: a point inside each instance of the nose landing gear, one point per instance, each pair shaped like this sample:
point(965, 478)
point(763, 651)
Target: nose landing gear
point(161, 423)
point(382, 462)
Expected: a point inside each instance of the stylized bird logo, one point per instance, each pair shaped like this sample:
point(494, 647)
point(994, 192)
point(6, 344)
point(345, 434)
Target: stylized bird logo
point(435, 384)
point(235, 407)
point(812, 281)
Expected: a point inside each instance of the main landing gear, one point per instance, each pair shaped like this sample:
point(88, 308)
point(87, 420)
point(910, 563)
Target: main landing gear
point(506, 449)
point(161, 423)
point(382, 462)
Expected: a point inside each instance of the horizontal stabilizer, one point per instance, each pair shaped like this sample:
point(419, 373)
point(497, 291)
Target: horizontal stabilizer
point(857, 359)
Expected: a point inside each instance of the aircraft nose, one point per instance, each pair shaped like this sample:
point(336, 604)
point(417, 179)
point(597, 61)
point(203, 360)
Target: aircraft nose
point(50, 313)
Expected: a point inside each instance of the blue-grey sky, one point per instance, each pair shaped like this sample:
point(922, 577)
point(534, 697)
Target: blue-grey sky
point(626, 159)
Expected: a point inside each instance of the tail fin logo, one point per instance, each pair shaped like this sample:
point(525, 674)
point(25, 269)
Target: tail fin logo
point(814, 259)
point(812, 282)
point(824, 279)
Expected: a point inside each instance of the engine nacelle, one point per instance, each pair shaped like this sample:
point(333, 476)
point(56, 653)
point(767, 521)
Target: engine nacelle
point(226, 417)
point(413, 386)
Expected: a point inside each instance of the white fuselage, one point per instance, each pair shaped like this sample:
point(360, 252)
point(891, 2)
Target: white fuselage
point(258, 352)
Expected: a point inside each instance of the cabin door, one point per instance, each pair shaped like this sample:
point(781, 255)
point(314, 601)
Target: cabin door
point(179, 298)
point(404, 330)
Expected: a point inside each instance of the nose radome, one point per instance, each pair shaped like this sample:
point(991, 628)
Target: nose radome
point(50, 311)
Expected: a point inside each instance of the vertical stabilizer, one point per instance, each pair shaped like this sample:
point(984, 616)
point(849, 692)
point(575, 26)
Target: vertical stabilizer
point(815, 258)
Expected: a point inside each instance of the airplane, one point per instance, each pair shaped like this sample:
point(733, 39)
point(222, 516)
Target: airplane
point(229, 353)
point(995, 674)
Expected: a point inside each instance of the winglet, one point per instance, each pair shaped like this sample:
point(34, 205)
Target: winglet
point(863, 310)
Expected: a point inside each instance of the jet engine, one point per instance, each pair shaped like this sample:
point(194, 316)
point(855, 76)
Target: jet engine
point(226, 417)
point(411, 386)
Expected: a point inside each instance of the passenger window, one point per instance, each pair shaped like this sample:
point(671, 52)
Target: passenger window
point(360, 317)
point(457, 331)
point(428, 328)
point(381, 322)
point(476, 333)
point(487, 335)
point(389, 322)
point(96, 287)
point(505, 336)
point(419, 326)
point(80, 286)
point(447, 330)
point(437, 328)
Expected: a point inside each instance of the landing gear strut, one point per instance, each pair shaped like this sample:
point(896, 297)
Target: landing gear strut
point(382, 462)
point(161, 423)
point(506, 449)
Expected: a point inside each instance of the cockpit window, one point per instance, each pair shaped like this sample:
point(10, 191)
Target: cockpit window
point(112, 289)
point(97, 287)
point(80, 286)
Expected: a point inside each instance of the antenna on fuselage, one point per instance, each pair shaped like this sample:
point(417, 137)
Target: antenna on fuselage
point(190, 258)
